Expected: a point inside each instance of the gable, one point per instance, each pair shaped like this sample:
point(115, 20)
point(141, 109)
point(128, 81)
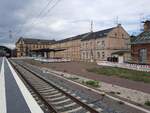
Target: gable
point(119, 32)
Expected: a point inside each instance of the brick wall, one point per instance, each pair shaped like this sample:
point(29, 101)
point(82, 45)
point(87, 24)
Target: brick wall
point(135, 52)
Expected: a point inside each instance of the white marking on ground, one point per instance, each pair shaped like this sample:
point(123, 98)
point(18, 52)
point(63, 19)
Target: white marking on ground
point(3, 107)
point(32, 104)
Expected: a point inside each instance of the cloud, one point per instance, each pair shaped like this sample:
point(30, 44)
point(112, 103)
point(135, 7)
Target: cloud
point(68, 18)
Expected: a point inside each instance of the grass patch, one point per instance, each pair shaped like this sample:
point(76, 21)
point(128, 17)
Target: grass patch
point(73, 78)
point(92, 83)
point(147, 103)
point(123, 73)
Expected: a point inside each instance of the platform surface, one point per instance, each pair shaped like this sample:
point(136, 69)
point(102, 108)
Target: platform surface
point(14, 95)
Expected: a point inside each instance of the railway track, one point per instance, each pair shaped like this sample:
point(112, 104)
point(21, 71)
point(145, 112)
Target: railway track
point(51, 97)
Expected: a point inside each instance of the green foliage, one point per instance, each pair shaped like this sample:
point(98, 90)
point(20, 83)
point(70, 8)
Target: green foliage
point(147, 103)
point(73, 78)
point(123, 73)
point(92, 83)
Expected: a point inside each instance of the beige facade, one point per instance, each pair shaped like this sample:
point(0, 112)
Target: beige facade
point(71, 46)
point(24, 46)
point(90, 46)
point(102, 44)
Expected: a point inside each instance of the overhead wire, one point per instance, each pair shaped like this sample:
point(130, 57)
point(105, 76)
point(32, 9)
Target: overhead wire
point(48, 11)
point(38, 16)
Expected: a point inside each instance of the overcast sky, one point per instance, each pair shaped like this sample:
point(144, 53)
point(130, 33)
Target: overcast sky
point(64, 18)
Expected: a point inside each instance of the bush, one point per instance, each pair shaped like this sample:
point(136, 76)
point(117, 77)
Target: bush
point(93, 83)
point(73, 78)
point(147, 103)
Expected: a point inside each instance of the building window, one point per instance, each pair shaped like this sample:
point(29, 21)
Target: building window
point(115, 34)
point(87, 55)
point(122, 35)
point(98, 43)
point(90, 43)
point(82, 44)
point(86, 45)
point(103, 43)
point(103, 55)
point(83, 55)
point(98, 55)
point(143, 55)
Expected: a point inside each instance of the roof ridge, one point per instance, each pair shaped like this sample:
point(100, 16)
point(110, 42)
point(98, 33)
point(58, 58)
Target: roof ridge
point(100, 33)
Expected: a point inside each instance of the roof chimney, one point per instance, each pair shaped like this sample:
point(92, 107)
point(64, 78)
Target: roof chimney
point(119, 25)
point(147, 25)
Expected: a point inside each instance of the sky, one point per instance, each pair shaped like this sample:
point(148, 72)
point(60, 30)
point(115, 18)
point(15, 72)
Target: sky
point(59, 19)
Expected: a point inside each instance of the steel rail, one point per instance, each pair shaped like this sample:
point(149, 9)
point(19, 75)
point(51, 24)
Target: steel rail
point(50, 107)
point(84, 105)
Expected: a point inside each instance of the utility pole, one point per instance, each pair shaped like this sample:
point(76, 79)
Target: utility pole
point(116, 20)
point(91, 29)
point(91, 51)
point(10, 34)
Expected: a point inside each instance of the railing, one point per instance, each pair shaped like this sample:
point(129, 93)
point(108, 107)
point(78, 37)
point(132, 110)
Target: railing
point(52, 60)
point(137, 67)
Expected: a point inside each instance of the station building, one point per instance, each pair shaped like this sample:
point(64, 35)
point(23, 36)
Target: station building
point(140, 47)
point(25, 46)
point(71, 46)
point(91, 46)
point(105, 44)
